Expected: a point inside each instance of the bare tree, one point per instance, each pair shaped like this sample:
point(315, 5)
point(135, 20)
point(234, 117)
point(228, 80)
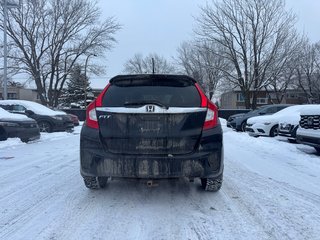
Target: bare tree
point(50, 37)
point(308, 72)
point(149, 64)
point(190, 61)
point(283, 76)
point(258, 36)
point(203, 62)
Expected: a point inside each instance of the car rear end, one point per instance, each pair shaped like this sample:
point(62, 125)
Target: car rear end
point(74, 119)
point(231, 122)
point(152, 126)
point(61, 122)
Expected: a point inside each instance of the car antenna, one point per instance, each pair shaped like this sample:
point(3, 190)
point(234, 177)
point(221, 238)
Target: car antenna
point(152, 65)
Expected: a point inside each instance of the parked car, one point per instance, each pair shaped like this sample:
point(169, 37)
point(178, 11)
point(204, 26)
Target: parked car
point(231, 122)
point(74, 119)
point(289, 124)
point(309, 128)
point(17, 126)
point(241, 122)
point(268, 125)
point(152, 127)
point(47, 119)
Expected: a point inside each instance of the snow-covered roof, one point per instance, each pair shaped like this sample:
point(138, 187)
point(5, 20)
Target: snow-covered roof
point(289, 115)
point(5, 115)
point(33, 106)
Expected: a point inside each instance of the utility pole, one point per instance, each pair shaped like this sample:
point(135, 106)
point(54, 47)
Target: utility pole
point(5, 50)
point(6, 5)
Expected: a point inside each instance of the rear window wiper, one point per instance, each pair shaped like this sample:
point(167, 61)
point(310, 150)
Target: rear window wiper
point(141, 103)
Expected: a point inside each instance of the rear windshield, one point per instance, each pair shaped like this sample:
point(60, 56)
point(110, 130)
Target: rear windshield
point(136, 95)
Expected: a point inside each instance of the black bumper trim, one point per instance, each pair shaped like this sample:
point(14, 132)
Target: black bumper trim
point(205, 162)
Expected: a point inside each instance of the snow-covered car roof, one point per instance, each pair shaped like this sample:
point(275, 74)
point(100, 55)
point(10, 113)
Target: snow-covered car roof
point(5, 115)
point(291, 114)
point(33, 106)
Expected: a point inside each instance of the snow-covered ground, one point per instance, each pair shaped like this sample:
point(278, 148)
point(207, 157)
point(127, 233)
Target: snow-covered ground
point(270, 191)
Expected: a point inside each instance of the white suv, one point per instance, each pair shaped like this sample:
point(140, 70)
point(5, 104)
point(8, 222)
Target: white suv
point(309, 128)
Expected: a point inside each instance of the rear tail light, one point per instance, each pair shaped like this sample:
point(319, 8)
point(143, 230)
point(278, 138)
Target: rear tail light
point(212, 112)
point(211, 117)
point(91, 114)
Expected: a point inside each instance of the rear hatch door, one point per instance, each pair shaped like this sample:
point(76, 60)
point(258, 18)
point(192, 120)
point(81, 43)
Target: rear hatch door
point(155, 115)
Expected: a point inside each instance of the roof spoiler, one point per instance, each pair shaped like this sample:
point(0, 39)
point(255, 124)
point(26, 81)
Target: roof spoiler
point(130, 79)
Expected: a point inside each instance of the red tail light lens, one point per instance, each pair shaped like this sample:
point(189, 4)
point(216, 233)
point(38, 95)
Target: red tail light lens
point(211, 117)
point(91, 114)
point(100, 97)
point(212, 112)
point(204, 99)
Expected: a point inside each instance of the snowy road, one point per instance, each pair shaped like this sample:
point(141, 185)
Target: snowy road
point(270, 191)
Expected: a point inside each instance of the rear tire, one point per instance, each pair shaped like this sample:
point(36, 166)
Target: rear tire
point(211, 184)
point(95, 182)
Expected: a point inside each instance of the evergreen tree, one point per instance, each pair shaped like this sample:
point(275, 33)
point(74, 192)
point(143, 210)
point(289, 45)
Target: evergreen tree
point(77, 87)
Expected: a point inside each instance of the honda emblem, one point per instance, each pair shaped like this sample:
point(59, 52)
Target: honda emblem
point(150, 108)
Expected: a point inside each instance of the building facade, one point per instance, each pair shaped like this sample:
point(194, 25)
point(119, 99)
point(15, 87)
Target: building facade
point(17, 92)
point(235, 99)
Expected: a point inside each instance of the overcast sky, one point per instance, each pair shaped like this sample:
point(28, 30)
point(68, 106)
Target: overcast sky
point(159, 26)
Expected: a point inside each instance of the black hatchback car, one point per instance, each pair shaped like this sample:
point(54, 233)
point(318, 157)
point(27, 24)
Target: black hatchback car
point(47, 119)
point(152, 127)
point(17, 126)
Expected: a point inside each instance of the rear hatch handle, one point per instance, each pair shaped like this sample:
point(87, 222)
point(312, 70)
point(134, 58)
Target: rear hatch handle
point(141, 103)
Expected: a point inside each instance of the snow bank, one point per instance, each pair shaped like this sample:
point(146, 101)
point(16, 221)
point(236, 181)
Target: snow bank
point(294, 164)
point(223, 121)
point(11, 143)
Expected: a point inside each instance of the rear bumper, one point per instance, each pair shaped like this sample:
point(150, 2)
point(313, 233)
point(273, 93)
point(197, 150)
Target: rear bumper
point(206, 162)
